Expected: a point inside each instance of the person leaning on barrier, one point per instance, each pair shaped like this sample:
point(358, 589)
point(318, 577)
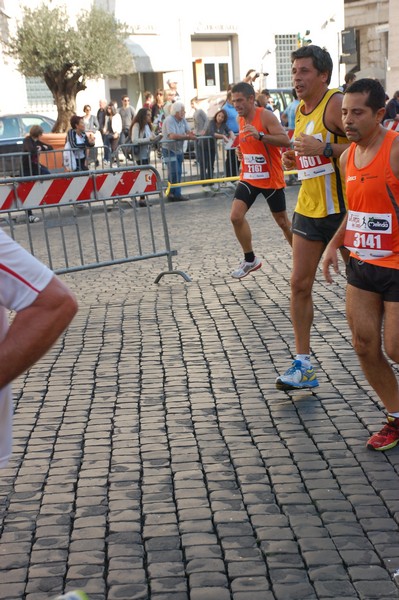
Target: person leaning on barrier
point(217, 130)
point(44, 307)
point(175, 130)
point(76, 145)
point(33, 145)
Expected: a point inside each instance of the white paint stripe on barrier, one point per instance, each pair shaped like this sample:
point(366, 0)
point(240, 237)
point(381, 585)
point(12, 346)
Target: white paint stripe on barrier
point(74, 190)
point(108, 186)
point(36, 194)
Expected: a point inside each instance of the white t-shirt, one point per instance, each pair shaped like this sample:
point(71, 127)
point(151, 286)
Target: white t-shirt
point(22, 278)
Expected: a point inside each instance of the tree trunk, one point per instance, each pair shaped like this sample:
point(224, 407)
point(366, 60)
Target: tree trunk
point(64, 88)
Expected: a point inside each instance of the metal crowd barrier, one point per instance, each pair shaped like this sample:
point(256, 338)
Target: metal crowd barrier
point(111, 230)
point(196, 160)
point(196, 166)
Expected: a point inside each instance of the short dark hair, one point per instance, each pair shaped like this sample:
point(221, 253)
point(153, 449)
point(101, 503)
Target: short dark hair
point(35, 131)
point(374, 90)
point(243, 88)
point(75, 120)
point(321, 59)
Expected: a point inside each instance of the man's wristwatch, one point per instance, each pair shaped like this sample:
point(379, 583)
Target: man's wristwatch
point(328, 151)
point(261, 135)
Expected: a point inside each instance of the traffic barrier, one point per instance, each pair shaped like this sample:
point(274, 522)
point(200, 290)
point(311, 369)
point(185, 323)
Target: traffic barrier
point(391, 124)
point(112, 230)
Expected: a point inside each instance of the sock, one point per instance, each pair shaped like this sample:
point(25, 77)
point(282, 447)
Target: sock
point(304, 358)
point(249, 256)
point(395, 415)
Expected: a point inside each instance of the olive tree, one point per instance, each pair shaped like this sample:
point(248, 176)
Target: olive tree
point(46, 44)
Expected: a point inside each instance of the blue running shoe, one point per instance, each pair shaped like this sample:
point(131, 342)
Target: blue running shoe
point(298, 376)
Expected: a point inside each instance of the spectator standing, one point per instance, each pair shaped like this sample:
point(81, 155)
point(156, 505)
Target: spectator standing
point(157, 112)
point(169, 96)
point(91, 126)
point(172, 85)
point(141, 137)
point(201, 122)
point(175, 130)
point(78, 141)
point(349, 79)
point(112, 131)
point(148, 100)
point(101, 114)
point(288, 115)
point(127, 115)
point(251, 76)
point(392, 108)
point(218, 130)
point(264, 100)
point(232, 163)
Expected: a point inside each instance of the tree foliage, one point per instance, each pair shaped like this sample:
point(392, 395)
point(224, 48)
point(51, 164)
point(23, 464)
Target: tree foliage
point(47, 45)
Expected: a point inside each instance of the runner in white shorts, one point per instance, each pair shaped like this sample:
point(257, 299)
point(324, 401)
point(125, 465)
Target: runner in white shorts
point(44, 307)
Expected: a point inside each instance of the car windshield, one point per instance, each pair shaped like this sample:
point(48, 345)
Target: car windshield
point(29, 120)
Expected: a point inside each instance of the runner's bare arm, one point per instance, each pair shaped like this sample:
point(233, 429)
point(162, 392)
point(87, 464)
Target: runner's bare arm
point(35, 329)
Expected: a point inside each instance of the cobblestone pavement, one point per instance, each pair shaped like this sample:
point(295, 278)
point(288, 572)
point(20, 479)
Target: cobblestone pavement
point(155, 459)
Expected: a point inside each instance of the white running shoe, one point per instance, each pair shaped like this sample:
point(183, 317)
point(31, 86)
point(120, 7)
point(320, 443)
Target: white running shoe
point(244, 268)
point(297, 377)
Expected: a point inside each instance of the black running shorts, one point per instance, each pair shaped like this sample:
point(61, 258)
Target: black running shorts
point(248, 194)
point(373, 278)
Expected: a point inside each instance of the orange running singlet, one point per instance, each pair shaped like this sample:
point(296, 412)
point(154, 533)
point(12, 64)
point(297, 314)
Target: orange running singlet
point(261, 164)
point(372, 230)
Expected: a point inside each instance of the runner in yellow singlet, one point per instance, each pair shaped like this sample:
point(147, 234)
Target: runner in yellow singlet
point(319, 140)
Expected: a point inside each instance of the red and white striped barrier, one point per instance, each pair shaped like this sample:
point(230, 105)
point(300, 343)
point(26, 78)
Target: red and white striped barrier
point(391, 124)
point(68, 188)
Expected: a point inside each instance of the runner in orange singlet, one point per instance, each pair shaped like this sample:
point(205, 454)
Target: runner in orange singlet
point(370, 231)
point(260, 138)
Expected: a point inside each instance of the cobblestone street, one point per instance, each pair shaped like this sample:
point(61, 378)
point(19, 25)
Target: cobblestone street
point(154, 458)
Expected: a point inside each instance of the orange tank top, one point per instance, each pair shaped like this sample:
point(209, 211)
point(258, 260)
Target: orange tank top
point(261, 165)
point(372, 230)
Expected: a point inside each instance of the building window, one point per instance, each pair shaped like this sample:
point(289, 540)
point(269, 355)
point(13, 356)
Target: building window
point(39, 96)
point(285, 44)
point(210, 77)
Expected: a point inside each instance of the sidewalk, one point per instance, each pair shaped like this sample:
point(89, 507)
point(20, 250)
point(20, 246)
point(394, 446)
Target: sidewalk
point(154, 458)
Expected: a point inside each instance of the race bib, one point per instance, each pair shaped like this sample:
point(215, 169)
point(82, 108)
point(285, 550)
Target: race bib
point(254, 166)
point(313, 166)
point(369, 235)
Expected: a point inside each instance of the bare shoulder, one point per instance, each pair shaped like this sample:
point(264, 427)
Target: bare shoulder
point(270, 121)
point(394, 159)
point(333, 114)
point(342, 161)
